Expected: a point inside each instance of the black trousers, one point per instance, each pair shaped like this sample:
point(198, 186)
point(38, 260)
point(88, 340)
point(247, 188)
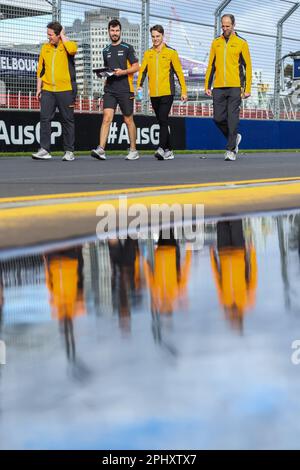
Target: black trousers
point(162, 106)
point(230, 234)
point(64, 100)
point(227, 103)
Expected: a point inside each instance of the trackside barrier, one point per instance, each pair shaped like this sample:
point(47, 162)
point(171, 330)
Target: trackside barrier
point(20, 131)
point(18, 101)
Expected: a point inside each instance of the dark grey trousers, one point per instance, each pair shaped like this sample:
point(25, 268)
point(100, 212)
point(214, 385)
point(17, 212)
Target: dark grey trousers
point(64, 101)
point(227, 103)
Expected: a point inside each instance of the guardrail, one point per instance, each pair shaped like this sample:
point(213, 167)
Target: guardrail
point(18, 101)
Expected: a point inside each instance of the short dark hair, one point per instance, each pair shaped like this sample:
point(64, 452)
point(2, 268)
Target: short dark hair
point(55, 26)
point(228, 15)
point(114, 24)
point(158, 28)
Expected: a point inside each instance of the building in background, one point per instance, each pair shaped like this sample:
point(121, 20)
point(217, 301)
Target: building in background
point(92, 36)
point(97, 275)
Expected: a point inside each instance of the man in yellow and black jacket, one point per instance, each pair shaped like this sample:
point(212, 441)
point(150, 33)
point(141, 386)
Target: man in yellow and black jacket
point(162, 63)
point(234, 269)
point(64, 280)
point(230, 73)
point(168, 278)
point(56, 87)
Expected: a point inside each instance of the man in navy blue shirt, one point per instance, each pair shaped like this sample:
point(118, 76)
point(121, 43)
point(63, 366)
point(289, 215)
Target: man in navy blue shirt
point(121, 58)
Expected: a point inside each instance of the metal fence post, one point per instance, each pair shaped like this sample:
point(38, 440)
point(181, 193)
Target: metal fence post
point(144, 47)
point(278, 59)
point(58, 2)
point(56, 9)
point(218, 12)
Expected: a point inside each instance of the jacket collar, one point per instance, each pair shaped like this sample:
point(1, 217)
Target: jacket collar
point(55, 47)
point(163, 47)
point(231, 37)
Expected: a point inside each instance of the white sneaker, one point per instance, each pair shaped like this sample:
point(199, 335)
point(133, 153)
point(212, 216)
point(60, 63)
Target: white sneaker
point(68, 156)
point(41, 154)
point(230, 156)
point(169, 155)
point(133, 155)
point(160, 154)
point(238, 141)
point(98, 153)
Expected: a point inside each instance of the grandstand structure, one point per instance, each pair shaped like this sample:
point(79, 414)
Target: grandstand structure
point(10, 9)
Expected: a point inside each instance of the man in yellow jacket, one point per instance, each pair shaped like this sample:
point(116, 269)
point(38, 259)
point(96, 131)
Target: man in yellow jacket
point(168, 278)
point(234, 269)
point(161, 63)
point(56, 87)
point(230, 72)
point(64, 280)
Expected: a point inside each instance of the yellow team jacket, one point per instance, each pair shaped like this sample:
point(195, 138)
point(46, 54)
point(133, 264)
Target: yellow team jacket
point(229, 64)
point(166, 285)
point(161, 68)
point(235, 273)
point(56, 66)
point(66, 299)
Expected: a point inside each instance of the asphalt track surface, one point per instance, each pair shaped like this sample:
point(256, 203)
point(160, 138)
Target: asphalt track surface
point(22, 176)
point(46, 202)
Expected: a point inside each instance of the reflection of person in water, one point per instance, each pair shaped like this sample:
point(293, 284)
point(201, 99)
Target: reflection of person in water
point(169, 277)
point(235, 271)
point(65, 283)
point(125, 260)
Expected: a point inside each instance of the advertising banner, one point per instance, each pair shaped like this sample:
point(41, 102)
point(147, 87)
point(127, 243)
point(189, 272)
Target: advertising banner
point(20, 132)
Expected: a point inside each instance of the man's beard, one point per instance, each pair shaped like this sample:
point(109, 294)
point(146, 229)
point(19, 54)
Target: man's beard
point(115, 39)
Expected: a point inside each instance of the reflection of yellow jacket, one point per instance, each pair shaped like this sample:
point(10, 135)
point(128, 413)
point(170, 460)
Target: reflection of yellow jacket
point(161, 67)
point(62, 281)
point(235, 277)
point(229, 64)
point(56, 66)
point(166, 284)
